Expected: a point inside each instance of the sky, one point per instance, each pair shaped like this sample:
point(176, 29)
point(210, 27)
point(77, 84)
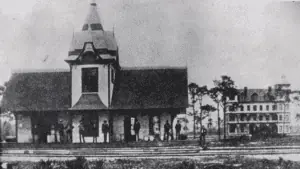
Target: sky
point(254, 42)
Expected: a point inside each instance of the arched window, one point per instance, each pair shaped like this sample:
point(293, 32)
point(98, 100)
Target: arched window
point(254, 97)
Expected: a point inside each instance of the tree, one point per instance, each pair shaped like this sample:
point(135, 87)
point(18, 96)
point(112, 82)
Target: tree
point(205, 111)
point(224, 88)
point(197, 94)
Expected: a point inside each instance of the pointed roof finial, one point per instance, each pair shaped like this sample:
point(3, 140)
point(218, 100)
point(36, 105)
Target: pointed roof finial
point(92, 20)
point(93, 3)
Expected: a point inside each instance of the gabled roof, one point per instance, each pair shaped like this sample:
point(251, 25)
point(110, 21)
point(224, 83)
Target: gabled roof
point(150, 88)
point(133, 89)
point(38, 91)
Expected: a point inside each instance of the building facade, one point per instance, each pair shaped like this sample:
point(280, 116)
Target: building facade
point(95, 89)
point(259, 112)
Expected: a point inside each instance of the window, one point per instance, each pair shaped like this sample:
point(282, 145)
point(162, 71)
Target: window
point(96, 26)
point(254, 117)
point(254, 108)
point(89, 80)
point(231, 108)
point(242, 128)
point(274, 117)
point(248, 107)
point(267, 107)
point(242, 117)
point(232, 128)
point(280, 129)
point(267, 117)
point(260, 107)
point(260, 117)
point(254, 97)
point(231, 117)
point(274, 107)
point(242, 108)
point(85, 27)
point(280, 106)
point(280, 117)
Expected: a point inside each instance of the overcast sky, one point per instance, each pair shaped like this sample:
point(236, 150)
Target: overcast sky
point(254, 42)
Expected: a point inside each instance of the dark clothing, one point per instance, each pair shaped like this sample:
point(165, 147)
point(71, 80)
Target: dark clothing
point(69, 130)
point(95, 133)
point(137, 127)
point(202, 136)
point(178, 129)
point(81, 131)
point(60, 128)
point(167, 128)
point(105, 130)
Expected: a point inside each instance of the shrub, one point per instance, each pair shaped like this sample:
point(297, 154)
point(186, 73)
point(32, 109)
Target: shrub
point(182, 137)
point(78, 163)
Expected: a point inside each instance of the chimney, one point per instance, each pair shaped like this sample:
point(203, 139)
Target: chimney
point(245, 91)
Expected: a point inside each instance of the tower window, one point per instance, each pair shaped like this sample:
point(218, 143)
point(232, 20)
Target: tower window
point(267, 107)
point(242, 108)
point(89, 80)
point(96, 26)
point(260, 107)
point(85, 27)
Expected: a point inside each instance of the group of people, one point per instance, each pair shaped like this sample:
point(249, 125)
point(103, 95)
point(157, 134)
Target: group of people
point(168, 129)
point(82, 131)
point(65, 132)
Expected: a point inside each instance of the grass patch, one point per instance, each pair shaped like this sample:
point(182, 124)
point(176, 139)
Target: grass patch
point(226, 162)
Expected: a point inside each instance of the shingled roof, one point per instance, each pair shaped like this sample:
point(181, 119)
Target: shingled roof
point(134, 89)
point(150, 88)
point(38, 91)
point(263, 95)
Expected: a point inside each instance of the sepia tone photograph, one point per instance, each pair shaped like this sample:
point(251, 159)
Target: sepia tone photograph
point(149, 84)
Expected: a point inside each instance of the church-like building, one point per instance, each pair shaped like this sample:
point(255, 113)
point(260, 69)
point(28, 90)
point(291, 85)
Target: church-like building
point(95, 89)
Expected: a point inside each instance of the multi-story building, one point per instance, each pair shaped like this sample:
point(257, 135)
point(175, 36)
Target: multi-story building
point(259, 111)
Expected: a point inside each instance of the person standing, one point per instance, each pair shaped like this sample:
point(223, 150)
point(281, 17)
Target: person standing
point(137, 127)
point(60, 128)
point(167, 128)
point(94, 132)
point(178, 129)
point(105, 130)
point(202, 135)
point(69, 130)
point(81, 131)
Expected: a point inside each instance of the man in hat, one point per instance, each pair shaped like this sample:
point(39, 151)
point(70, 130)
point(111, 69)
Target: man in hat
point(81, 131)
point(105, 130)
point(60, 128)
point(178, 129)
point(167, 128)
point(137, 127)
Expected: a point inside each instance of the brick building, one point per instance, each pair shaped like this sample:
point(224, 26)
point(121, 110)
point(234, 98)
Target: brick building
point(98, 89)
point(259, 111)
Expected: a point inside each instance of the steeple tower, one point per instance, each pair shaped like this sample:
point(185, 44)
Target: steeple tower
point(92, 21)
point(93, 59)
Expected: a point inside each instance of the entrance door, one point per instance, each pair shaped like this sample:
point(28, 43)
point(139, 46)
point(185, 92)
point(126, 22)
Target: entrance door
point(129, 135)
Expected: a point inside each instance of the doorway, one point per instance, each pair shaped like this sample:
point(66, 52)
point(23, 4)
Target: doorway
point(129, 134)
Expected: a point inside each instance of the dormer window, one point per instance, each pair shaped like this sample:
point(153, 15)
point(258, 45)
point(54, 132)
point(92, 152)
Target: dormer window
point(85, 27)
point(89, 80)
point(96, 26)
